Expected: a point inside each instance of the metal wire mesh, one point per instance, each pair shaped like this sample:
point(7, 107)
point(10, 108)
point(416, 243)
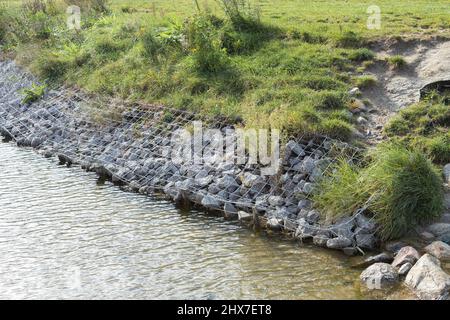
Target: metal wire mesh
point(131, 143)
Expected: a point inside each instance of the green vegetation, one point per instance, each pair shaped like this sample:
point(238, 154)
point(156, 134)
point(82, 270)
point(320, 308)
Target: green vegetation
point(34, 93)
point(271, 64)
point(365, 81)
point(396, 62)
point(424, 126)
point(404, 189)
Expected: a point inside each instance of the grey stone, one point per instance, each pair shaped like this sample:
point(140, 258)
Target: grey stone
point(295, 148)
point(447, 201)
point(312, 217)
point(382, 257)
point(316, 175)
point(404, 269)
point(361, 120)
point(339, 243)
point(204, 182)
point(308, 165)
point(446, 172)
point(308, 188)
point(445, 218)
point(261, 203)
point(366, 240)
point(440, 230)
point(274, 224)
point(350, 251)
point(343, 227)
point(428, 280)
point(304, 230)
point(249, 179)
point(366, 224)
point(320, 240)
point(290, 224)
point(230, 210)
point(213, 188)
point(304, 204)
point(228, 183)
point(379, 276)
point(211, 202)
point(201, 174)
point(394, 246)
point(440, 250)
point(276, 201)
point(404, 255)
point(427, 236)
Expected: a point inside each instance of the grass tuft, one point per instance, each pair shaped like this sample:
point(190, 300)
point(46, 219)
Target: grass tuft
point(365, 81)
point(396, 62)
point(33, 94)
point(404, 188)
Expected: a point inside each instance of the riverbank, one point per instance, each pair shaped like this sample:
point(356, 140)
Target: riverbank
point(125, 150)
point(131, 149)
point(341, 84)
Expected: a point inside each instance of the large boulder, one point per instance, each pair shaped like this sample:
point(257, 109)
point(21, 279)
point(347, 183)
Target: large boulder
point(428, 280)
point(379, 276)
point(405, 255)
point(440, 250)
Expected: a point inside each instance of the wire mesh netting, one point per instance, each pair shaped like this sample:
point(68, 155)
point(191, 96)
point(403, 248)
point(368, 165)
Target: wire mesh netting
point(138, 145)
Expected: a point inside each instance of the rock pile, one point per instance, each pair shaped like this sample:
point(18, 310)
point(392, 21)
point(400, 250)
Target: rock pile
point(422, 274)
point(134, 145)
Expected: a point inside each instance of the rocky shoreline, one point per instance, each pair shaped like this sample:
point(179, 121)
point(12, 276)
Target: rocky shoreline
point(58, 125)
point(129, 146)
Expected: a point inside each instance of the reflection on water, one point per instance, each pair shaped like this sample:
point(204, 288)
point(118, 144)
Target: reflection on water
point(63, 235)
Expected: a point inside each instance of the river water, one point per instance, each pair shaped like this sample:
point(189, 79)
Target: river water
point(66, 235)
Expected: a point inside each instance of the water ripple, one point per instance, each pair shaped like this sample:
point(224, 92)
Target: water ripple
point(63, 235)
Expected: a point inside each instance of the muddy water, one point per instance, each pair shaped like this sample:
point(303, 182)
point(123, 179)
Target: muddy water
point(64, 234)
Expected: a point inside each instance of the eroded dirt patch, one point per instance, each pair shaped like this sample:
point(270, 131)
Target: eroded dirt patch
point(426, 61)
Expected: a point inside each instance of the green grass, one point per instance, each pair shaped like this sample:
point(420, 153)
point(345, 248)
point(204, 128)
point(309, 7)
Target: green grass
point(424, 126)
point(34, 93)
point(365, 81)
point(273, 64)
point(400, 187)
point(396, 61)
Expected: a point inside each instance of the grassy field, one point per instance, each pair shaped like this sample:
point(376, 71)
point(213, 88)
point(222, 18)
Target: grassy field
point(286, 64)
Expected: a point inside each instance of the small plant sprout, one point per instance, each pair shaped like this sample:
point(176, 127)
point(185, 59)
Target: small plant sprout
point(34, 93)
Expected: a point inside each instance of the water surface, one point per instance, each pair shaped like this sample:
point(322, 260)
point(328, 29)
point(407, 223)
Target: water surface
point(65, 235)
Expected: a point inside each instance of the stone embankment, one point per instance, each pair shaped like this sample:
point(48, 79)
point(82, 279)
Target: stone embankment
point(129, 145)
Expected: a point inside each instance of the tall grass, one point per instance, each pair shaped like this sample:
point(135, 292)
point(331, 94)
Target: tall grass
point(404, 188)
